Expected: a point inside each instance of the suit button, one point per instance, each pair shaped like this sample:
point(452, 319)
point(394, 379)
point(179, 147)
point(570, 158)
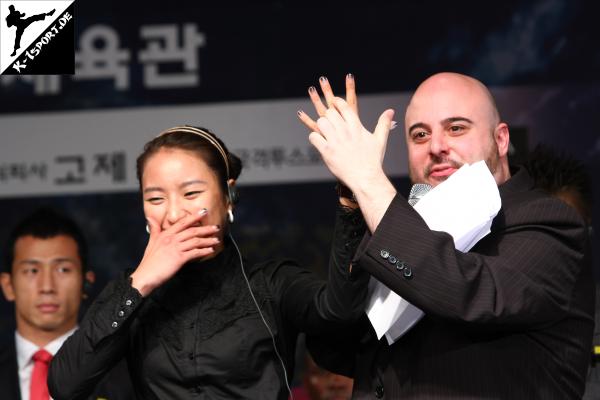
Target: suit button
point(407, 272)
point(392, 259)
point(384, 254)
point(400, 265)
point(379, 392)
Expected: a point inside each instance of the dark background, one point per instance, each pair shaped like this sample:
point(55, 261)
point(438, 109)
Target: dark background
point(275, 49)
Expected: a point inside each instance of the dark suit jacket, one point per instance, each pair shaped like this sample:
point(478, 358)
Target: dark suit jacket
point(511, 319)
point(9, 375)
point(115, 386)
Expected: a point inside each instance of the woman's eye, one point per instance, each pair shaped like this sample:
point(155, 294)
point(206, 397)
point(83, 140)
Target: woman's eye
point(193, 193)
point(154, 200)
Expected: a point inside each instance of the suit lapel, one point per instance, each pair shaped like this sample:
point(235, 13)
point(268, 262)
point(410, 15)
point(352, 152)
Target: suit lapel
point(9, 378)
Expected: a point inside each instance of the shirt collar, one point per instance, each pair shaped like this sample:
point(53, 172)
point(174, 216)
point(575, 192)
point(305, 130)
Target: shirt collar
point(26, 349)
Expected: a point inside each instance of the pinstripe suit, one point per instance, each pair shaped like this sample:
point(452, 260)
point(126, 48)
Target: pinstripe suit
point(511, 319)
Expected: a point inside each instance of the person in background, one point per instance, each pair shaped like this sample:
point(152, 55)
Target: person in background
point(321, 384)
point(44, 275)
point(566, 178)
point(316, 383)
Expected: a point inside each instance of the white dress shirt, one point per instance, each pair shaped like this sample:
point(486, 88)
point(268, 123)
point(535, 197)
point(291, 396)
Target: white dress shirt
point(26, 350)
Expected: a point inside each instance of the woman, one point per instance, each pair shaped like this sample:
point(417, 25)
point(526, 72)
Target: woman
point(193, 320)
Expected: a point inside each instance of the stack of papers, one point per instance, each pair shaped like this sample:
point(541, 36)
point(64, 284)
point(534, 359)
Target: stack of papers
point(464, 206)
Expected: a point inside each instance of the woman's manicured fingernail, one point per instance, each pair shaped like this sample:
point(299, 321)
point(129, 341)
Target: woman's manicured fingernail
point(204, 211)
point(393, 125)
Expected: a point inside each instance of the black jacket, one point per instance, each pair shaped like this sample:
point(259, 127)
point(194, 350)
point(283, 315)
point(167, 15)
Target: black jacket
point(200, 334)
point(114, 386)
point(510, 319)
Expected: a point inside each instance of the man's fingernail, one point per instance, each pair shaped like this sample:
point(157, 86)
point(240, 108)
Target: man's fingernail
point(393, 125)
point(204, 211)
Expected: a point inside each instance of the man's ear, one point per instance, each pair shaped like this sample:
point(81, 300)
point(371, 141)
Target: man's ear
point(502, 138)
point(90, 277)
point(88, 281)
point(7, 287)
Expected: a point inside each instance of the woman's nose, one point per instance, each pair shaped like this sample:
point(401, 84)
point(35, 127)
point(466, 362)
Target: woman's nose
point(175, 212)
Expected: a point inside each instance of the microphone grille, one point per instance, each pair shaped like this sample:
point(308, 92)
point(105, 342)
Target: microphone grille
point(417, 191)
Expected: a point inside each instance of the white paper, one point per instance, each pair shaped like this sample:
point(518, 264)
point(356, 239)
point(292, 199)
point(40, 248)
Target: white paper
point(464, 206)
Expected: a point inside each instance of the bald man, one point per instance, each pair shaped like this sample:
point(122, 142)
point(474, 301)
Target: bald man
point(510, 319)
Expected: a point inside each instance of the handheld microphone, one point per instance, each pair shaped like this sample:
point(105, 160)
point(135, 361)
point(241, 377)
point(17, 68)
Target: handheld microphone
point(417, 191)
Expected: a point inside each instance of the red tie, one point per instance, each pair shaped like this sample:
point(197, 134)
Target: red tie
point(39, 388)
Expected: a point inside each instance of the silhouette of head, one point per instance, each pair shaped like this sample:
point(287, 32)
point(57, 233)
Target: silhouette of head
point(562, 176)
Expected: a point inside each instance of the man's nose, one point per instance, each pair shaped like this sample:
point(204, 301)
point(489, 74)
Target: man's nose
point(438, 145)
point(47, 284)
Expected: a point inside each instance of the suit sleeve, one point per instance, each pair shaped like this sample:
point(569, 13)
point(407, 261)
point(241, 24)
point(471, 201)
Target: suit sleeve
point(98, 345)
point(520, 274)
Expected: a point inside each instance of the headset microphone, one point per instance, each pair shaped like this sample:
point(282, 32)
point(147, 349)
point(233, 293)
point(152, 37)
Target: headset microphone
point(287, 384)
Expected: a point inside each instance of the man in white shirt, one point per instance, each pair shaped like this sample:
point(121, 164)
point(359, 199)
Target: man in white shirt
point(44, 275)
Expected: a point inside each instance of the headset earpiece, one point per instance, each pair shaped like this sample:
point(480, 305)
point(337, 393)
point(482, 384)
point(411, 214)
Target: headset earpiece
point(232, 193)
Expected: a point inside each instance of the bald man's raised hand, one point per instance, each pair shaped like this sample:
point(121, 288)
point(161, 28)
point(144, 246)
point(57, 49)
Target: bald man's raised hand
point(352, 153)
point(321, 108)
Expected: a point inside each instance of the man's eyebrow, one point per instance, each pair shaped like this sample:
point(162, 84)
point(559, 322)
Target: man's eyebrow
point(456, 119)
point(64, 259)
point(29, 261)
point(418, 125)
